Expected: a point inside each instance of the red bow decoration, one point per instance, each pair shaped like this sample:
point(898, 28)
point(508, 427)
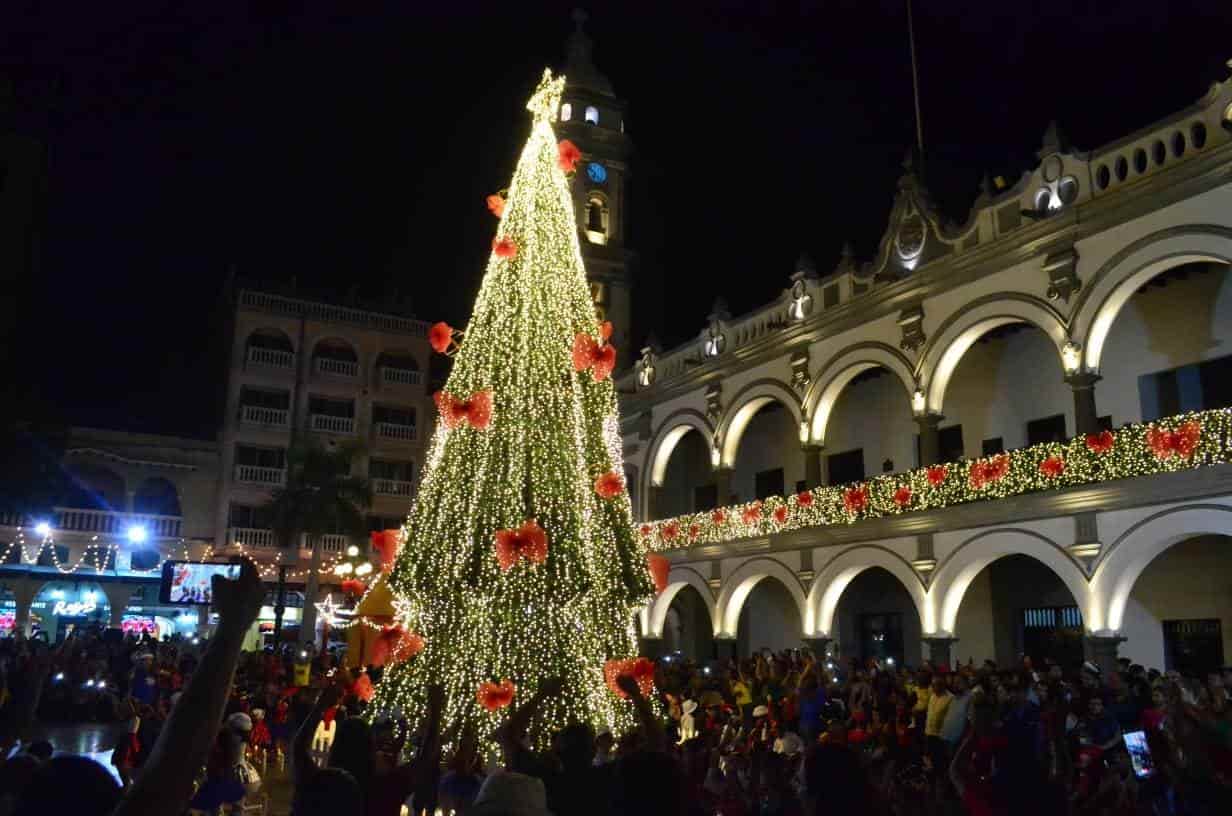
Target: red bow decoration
point(1101, 442)
point(496, 204)
point(669, 531)
point(986, 472)
point(609, 485)
point(1182, 442)
point(752, 513)
point(495, 696)
point(476, 411)
point(567, 154)
point(780, 514)
point(936, 475)
point(394, 645)
point(718, 517)
point(504, 247)
point(385, 545)
point(1052, 467)
point(528, 541)
point(353, 586)
point(659, 568)
point(640, 669)
point(599, 357)
point(856, 499)
point(805, 498)
point(440, 337)
point(902, 496)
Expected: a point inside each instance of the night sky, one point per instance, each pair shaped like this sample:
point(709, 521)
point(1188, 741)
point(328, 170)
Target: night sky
point(352, 149)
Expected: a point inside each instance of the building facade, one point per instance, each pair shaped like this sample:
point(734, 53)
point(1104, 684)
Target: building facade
point(1092, 294)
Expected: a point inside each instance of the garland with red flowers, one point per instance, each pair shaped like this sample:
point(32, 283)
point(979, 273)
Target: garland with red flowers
point(1176, 443)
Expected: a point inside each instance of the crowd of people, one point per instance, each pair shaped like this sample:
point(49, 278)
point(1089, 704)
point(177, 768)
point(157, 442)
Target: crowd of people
point(197, 726)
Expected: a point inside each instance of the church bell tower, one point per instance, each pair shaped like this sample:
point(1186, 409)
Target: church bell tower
point(593, 118)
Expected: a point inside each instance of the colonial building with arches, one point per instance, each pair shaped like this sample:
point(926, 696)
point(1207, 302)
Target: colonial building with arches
point(1095, 294)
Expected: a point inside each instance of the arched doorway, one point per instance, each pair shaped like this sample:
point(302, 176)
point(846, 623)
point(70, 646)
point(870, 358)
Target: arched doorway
point(876, 618)
point(688, 480)
point(688, 628)
point(768, 460)
point(869, 428)
point(1179, 612)
point(769, 619)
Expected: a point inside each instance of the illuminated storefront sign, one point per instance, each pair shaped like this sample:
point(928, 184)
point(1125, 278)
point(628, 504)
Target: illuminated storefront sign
point(73, 609)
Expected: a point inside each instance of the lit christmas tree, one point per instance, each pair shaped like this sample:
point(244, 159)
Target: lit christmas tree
point(519, 561)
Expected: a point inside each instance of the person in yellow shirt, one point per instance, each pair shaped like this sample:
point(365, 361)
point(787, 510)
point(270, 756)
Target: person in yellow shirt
point(742, 694)
point(938, 704)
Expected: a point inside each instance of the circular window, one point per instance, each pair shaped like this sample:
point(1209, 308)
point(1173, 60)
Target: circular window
point(910, 238)
point(1102, 177)
point(1122, 168)
point(1052, 168)
point(1158, 152)
point(1197, 135)
point(1067, 190)
point(1140, 160)
point(1178, 144)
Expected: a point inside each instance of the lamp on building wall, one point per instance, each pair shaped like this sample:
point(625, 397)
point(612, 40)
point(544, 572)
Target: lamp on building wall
point(716, 456)
point(43, 529)
point(1071, 356)
point(918, 401)
point(804, 432)
point(646, 367)
point(137, 534)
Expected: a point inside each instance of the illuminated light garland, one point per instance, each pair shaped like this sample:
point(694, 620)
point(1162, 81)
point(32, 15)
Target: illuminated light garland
point(553, 430)
point(1168, 445)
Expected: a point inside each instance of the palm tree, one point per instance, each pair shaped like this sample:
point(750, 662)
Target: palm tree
point(320, 497)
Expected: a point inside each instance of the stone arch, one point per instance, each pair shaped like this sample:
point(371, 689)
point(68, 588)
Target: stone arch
point(738, 585)
point(958, 569)
point(270, 337)
point(333, 347)
point(827, 588)
point(671, 430)
point(747, 402)
point(958, 332)
point(840, 370)
point(1111, 287)
point(678, 579)
point(1125, 559)
point(97, 486)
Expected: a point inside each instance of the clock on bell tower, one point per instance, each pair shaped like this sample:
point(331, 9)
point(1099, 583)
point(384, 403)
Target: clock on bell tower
point(593, 118)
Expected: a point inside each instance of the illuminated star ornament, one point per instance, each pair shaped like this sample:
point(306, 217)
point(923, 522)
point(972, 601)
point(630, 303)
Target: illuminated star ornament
point(330, 612)
point(519, 560)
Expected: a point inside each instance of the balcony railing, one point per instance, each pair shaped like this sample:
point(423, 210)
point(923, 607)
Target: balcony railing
point(271, 358)
point(400, 376)
point(253, 474)
point(391, 430)
point(252, 537)
point(100, 522)
point(332, 543)
point(336, 368)
point(323, 423)
point(392, 487)
point(256, 415)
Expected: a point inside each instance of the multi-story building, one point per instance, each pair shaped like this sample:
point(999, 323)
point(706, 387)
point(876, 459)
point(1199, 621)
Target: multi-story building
point(1092, 294)
point(307, 370)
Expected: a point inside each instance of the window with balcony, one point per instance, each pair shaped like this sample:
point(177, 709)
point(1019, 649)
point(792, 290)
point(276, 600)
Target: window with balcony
point(335, 416)
point(991, 447)
point(1047, 429)
point(950, 443)
point(257, 465)
point(705, 497)
point(249, 526)
point(399, 368)
point(378, 523)
point(393, 422)
point(768, 483)
point(391, 478)
point(270, 348)
point(335, 358)
point(1196, 387)
point(845, 467)
point(261, 406)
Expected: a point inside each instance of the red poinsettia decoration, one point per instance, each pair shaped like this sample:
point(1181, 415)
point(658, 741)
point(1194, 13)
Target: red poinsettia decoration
point(855, 500)
point(568, 154)
point(353, 586)
point(394, 645)
point(528, 542)
point(1181, 443)
point(752, 513)
point(805, 498)
point(640, 669)
point(362, 688)
point(609, 485)
point(1101, 442)
point(495, 696)
point(780, 514)
point(496, 204)
point(669, 531)
point(936, 475)
point(694, 531)
point(600, 358)
point(476, 411)
point(385, 545)
point(718, 516)
point(504, 247)
point(902, 496)
point(985, 472)
point(646, 530)
point(659, 568)
point(1052, 467)
point(440, 337)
